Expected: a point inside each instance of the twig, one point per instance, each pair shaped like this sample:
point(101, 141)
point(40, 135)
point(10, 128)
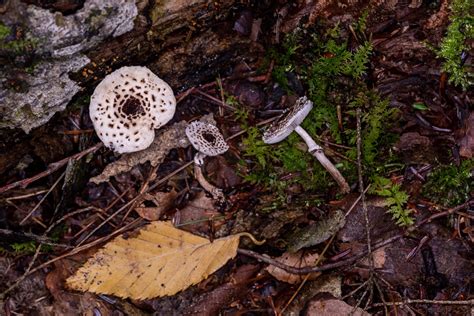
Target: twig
point(230, 107)
point(356, 201)
point(361, 189)
point(455, 209)
point(25, 196)
point(423, 301)
point(51, 168)
point(39, 239)
point(306, 270)
point(42, 199)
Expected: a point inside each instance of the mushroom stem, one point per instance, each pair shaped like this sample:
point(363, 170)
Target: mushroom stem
point(216, 192)
point(318, 153)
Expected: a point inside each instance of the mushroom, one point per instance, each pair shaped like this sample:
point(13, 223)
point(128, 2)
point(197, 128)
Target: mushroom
point(208, 141)
point(290, 122)
point(127, 107)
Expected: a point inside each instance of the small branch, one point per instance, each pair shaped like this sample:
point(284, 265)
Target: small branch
point(361, 189)
point(51, 168)
point(20, 237)
point(431, 302)
point(42, 199)
point(306, 270)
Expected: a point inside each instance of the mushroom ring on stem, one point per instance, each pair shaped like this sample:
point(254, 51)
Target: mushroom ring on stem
point(127, 107)
point(290, 122)
point(208, 141)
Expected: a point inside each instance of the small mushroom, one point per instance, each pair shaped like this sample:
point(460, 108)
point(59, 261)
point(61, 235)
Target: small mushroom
point(208, 141)
point(290, 122)
point(127, 107)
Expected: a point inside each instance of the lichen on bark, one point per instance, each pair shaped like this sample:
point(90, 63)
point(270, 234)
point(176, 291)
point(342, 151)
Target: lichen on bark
point(59, 43)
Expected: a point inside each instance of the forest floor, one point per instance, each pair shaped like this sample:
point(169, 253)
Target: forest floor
point(393, 112)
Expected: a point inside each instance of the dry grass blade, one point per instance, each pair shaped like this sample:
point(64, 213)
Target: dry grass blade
point(161, 260)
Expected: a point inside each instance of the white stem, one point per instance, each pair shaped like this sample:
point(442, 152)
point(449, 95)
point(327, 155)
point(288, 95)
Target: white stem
point(216, 192)
point(199, 158)
point(318, 152)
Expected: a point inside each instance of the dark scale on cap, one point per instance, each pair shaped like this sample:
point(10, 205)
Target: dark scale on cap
point(286, 124)
point(131, 107)
point(206, 138)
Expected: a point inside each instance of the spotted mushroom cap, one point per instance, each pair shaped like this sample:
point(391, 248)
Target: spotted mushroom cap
point(127, 107)
point(286, 124)
point(206, 138)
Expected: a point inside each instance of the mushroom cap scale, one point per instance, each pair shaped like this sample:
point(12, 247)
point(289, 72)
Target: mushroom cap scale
point(206, 138)
point(128, 105)
point(286, 124)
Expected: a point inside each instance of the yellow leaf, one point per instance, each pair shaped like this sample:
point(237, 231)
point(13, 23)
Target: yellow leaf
point(161, 260)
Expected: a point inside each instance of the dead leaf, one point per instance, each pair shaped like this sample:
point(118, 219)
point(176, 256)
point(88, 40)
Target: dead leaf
point(161, 260)
point(325, 283)
point(172, 137)
point(326, 305)
point(380, 222)
point(466, 143)
point(224, 176)
point(297, 260)
point(197, 211)
point(210, 303)
point(162, 200)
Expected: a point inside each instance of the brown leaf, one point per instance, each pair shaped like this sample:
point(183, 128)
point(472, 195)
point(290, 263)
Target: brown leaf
point(211, 302)
point(197, 212)
point(161, 260)
point(163, 201)
point(222, 174)
point(297, 260)
point(466, 143)
point(326, 305)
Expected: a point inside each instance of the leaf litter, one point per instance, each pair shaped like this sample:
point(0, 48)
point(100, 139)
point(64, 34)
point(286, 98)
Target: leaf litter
point(403, 69)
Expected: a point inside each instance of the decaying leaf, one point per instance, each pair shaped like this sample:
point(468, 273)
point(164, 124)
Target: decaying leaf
point(197, 211)
point(466, 143)
point(318, 232)
point(297, 260)
point(326, 305)
point(163, 202)
point(161, 260)
point(172, 137)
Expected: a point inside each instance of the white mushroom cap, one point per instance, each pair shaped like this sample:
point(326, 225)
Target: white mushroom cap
point(206, 138)
point(287, 123)
point(127, 107)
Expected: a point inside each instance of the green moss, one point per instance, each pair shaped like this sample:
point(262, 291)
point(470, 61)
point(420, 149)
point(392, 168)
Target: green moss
point(24, 248)
point(4, 31)
point(450, 185)
point(14, 47)
point(395, 198)
point(377, 115)
point(456, 43)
